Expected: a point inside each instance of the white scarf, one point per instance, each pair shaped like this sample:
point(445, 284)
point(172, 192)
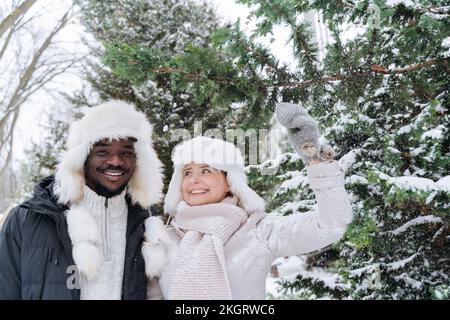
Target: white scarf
point(199, 269)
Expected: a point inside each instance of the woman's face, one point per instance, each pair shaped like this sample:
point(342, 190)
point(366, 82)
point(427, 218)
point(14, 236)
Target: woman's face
point(203, 185)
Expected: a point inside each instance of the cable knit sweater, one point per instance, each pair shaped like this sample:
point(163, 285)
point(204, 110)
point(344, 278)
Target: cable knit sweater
point(250, 251)
point(110, 216)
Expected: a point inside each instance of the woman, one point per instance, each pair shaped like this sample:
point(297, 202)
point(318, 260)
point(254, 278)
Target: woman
point(220, 243)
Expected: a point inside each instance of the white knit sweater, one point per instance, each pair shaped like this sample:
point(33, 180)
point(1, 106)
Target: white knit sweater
point(110, 215)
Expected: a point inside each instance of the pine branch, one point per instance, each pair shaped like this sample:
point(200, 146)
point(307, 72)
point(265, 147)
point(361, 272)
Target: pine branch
point(418, 66)
point(191, 75)
point(345, 4)
point(439, 10)
point(376, 69)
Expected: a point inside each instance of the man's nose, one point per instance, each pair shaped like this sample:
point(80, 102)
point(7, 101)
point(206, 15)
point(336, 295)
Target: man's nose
point(115, 160)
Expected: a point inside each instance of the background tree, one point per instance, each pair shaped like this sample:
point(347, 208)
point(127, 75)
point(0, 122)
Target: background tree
point(31, 60)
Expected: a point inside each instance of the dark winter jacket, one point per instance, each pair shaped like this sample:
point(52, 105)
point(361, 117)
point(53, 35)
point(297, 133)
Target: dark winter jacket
point(36, 252)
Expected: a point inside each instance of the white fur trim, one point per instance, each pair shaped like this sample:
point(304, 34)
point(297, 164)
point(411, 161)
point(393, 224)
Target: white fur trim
point(145, 187)
point(248, 198)
point(157, 247)
point(114, 119)
point(87, 258)
point(155, 257)
point(85, 241)
point(220, 155)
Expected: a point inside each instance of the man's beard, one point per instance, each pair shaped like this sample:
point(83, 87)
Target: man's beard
point(104, 192)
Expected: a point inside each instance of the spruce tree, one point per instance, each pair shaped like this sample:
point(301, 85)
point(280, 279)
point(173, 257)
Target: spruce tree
point(382, 100)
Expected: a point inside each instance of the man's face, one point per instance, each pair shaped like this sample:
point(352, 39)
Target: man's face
point(109, 166)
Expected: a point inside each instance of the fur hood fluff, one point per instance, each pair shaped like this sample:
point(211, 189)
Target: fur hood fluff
point(220, 155)
point(113, 119)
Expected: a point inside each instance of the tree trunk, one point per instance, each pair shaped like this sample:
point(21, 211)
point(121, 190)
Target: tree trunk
point(16, 14)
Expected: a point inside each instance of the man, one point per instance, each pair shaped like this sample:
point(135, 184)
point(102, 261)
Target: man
point(79, 236)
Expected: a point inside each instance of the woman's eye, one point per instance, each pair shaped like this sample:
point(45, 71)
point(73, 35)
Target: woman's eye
point(206, 171)
point(187, 173)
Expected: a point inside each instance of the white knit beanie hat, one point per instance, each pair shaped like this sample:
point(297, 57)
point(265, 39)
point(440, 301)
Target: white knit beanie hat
point(220, 155)
point(114, 120)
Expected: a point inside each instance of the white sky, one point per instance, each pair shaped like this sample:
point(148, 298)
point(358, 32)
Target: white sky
point(231, 11)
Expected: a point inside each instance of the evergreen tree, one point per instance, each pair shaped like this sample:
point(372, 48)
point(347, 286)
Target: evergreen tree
point(386, 112)
point(381, 98)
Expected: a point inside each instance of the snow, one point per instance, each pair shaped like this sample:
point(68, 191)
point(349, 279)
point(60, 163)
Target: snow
point(348, 160)
point(410, 281)
point(354, 179)
point(298, 179)
point(406, 3)
point(379, 91)
point(415, 222)
point(435, 133)
point(400, 264)
point(446, 44)
point(444, 183)
point(339, 106)
point(345, 119)
point(413, 183)
point(405, 129)
point(358, 272)
point(292, 266)
point(364, 118)
point(288, 268)
point(417, 151)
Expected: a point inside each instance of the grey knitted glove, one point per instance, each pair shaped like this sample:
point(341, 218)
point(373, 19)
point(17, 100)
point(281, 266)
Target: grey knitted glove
point(303, 133)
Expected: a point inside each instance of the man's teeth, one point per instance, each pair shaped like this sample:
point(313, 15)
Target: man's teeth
point(114, 174)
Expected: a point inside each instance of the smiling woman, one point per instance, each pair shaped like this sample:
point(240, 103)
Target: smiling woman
point(203, 184)
point(110, 165)
point(220, 243)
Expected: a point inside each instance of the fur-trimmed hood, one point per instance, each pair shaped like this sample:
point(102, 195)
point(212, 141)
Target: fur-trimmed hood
point(115, 120)
point(220, 155)
point(112, 120)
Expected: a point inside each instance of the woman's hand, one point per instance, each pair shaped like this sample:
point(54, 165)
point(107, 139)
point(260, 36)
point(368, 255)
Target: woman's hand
point(303, 133)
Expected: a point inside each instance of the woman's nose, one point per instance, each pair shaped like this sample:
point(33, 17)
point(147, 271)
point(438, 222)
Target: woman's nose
point(195, 177)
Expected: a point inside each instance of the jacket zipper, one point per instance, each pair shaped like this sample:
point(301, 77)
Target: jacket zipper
point(106, 241)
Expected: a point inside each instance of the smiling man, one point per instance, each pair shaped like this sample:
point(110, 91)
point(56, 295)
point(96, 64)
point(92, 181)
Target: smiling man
point(77, 236)
point(110, 166)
